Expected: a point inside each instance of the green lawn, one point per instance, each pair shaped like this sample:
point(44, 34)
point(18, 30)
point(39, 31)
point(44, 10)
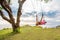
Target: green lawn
point(31, 33)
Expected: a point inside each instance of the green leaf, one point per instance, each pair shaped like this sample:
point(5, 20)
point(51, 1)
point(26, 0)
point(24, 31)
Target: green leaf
point(41, 0)
point(1, 8)
point(46, 1)
point(8, 1)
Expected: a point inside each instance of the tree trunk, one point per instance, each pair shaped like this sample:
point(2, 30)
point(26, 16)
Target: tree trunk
point(15, 28)
point(11, 20)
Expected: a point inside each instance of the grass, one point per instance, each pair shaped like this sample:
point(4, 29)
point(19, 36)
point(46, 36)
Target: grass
point(31, 33)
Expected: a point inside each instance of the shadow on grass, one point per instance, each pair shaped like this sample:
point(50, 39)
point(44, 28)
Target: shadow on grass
point(3, 37)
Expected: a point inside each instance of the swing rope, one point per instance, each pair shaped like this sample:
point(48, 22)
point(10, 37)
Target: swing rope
point(42, 22)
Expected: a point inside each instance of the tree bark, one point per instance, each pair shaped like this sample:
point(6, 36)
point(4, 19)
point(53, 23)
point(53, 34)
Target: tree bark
point(19, 11)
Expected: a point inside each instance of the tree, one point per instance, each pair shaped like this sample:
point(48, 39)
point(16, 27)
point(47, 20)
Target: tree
point(11, 19)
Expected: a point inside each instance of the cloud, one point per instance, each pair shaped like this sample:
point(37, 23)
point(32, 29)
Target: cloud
point(4, 24)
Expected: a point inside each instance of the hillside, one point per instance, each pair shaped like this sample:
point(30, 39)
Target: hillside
point(31, 33)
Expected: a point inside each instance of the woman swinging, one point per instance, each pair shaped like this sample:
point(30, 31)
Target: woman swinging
point(42, 21)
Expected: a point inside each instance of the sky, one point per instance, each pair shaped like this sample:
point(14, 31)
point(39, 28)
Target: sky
point(51, 11)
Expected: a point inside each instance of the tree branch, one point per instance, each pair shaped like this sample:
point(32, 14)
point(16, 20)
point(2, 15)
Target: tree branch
point(4, 17)
point(5, 5)
point(19, 11)
point(7, 8)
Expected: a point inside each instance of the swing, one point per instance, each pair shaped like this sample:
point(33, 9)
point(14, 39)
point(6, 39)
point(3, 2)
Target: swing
point(41, 22)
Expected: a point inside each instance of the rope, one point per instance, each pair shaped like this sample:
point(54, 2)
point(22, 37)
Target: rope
point(32, 5)
point(37, 12)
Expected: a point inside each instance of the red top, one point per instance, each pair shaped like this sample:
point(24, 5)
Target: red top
point(42, 22)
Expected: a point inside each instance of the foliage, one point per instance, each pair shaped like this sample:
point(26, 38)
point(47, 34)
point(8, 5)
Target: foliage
point(46, 0)
point(58, 26)
point(1, 8)
point(8, 1)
